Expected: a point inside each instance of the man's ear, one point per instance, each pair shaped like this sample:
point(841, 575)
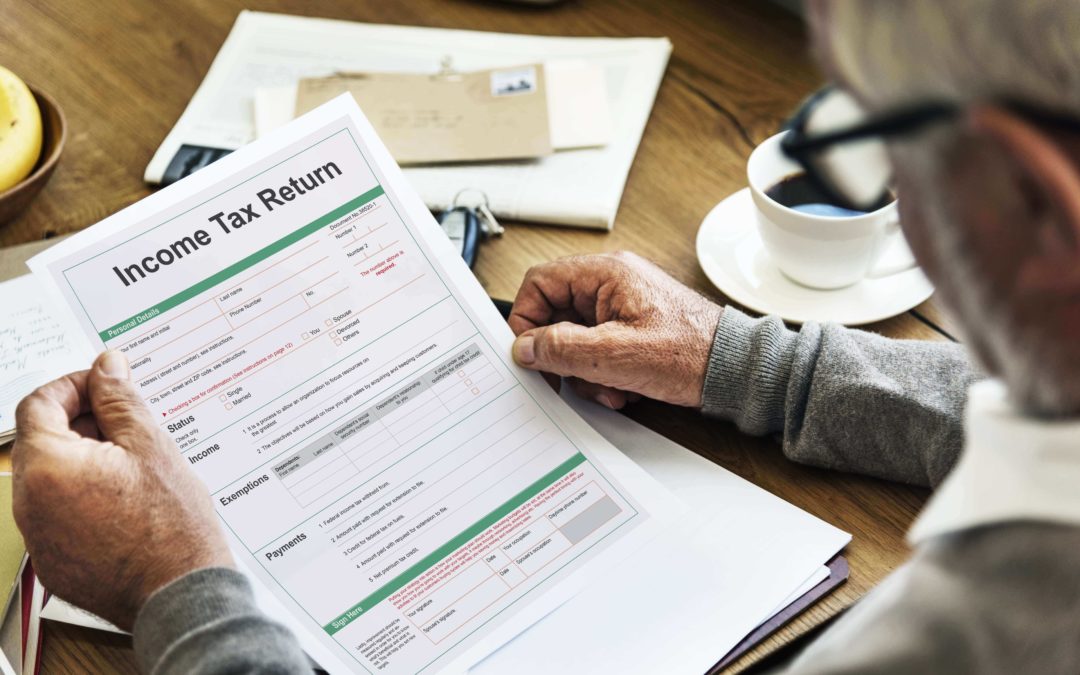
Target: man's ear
point(1053, 265)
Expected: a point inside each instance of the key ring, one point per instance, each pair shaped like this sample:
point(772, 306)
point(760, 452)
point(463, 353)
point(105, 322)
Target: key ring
point(483, 195)
point(490, 225)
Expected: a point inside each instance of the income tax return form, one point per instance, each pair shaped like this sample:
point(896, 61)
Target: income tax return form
point(402, 495)
point(325, 362)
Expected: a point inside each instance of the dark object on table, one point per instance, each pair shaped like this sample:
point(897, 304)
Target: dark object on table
point(462, 225)
point(838, 574)
point(189, 159)
point(504, 307)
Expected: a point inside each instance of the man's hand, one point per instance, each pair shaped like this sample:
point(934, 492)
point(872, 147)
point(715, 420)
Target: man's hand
point(617, 324)
point(109, 510)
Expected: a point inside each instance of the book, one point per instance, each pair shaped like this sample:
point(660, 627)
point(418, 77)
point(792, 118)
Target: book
point(32, 598)
point(12, 548)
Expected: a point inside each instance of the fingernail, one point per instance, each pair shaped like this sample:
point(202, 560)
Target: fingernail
point(523, 350)
point(114, 364)
point(605, 400)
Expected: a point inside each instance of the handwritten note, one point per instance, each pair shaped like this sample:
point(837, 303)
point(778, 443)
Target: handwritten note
point(35, 344)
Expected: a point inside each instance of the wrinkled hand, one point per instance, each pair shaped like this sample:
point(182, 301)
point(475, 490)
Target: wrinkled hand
point(618, 325)
point(109, 510)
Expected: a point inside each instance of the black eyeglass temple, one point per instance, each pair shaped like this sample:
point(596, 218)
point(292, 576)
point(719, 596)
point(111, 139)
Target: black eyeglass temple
point(904, 121)
point(899, 122)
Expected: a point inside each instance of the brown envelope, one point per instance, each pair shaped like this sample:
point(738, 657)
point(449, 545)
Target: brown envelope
point(458, 117)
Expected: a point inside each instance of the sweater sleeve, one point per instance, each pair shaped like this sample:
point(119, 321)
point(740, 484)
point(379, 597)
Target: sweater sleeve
point(206, 622)
point(842, 399)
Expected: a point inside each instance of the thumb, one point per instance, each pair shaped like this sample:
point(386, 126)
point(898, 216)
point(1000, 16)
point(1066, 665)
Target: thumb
point(118, 409)
point(569, 349)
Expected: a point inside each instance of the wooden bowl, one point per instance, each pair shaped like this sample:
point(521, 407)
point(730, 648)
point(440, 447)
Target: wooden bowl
point(15, 199)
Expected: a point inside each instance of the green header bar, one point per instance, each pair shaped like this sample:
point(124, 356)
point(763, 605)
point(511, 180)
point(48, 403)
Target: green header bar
point(240, 266)
point(454, 544)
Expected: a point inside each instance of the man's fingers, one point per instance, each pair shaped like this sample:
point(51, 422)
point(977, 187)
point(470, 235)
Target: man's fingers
point(118, 410)
point(52, 406)
point(569, 349)
point(563, 289)
point(86, 427)
point(45, 422)
point(533, 306)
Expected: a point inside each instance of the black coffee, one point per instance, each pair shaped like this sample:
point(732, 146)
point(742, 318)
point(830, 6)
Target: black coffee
point(800, 193)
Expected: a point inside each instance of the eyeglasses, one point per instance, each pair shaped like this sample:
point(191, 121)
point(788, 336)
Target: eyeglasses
point(843, 149)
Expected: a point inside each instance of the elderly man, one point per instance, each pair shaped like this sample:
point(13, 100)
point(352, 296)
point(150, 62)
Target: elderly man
point(991, 205)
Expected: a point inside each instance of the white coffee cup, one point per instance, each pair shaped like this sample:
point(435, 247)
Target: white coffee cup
point(823, 252)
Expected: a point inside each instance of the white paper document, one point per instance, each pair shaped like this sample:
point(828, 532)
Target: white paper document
point(580, 187)
point(57, 609)
point(753, 544)
point(685, 600)
point(326, 363)
point(747, 533)
point(35, 345)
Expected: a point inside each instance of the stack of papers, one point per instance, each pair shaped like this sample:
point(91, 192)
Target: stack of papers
point(457, 117)
point(406, 495)
point(581, 187)
point(12, 549)
point(21, 634)
point(735, 560)
point(22, 596)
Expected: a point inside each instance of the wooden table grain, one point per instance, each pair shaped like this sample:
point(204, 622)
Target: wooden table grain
point(123, 72)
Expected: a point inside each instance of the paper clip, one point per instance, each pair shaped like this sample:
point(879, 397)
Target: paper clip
point(447, 70)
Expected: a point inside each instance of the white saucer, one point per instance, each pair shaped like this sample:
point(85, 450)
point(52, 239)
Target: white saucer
point(733, 257)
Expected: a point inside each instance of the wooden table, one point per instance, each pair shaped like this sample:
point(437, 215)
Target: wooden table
point(123, 72)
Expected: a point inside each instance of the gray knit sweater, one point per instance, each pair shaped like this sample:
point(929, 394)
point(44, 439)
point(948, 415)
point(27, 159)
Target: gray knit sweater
point(997, 599)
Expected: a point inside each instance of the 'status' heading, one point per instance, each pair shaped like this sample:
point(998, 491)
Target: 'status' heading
point(228, 221)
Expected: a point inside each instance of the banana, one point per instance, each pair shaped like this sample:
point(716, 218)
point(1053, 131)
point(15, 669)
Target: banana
point(20, 130)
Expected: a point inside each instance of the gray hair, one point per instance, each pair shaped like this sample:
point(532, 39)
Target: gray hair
point(1041, 376)
point(900, 51)
point(897, 52)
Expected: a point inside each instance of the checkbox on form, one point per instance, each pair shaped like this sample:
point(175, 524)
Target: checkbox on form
point(337, 341)
point(329, 322)
point(223, 397)
point(475, 390)
point(228, 406)
point(461, 373)
point(468, 383)
point(305, 335)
